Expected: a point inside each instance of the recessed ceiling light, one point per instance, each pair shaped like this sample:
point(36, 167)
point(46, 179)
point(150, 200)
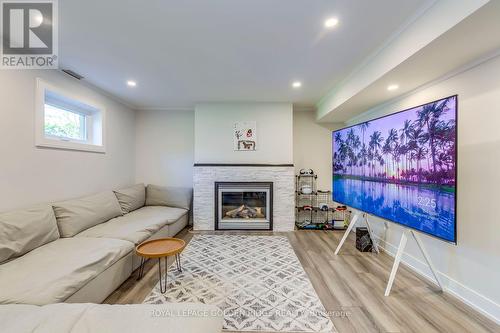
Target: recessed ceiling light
point(297, 84)
point(331, 22)
point(131, 83)
point(392, 87)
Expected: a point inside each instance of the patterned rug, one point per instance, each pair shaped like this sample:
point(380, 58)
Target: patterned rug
point(257, 281)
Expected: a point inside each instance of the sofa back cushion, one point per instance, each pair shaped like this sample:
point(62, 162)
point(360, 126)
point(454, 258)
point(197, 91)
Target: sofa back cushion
point(24, 230)
point(131, 198)
point(169, 196)
point(74, 216)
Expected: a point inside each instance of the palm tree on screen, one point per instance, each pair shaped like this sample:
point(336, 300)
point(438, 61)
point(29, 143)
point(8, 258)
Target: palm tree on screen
point(392, 140)
point(419, 155)
point(403, 137)
point(386, 151)
point(421, 148)
point(375, 144)
point(364, 126)
point(428, 117)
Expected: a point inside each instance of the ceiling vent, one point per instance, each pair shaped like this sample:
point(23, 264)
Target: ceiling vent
point(73, 74)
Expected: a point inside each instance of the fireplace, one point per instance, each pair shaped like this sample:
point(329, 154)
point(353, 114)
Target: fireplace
point(243, 205)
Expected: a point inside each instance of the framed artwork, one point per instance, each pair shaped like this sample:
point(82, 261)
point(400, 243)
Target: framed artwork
point(245, 136)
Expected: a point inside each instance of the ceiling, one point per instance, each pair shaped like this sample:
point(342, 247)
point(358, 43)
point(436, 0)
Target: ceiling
point(185, 52)
point(449, 53)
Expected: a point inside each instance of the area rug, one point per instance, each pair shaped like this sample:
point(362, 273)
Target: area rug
point(256, 281)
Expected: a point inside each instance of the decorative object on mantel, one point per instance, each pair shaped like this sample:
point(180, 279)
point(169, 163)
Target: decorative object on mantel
point(314, 209)
point(245, 136)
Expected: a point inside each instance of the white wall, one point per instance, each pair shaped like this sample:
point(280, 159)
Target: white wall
point(31, 175)
point(214, 124)
point(312, 146)
point(165, 147)
point(471, 270)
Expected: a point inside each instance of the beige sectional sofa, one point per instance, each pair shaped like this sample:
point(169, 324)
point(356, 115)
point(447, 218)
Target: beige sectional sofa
point(81, 250)
point(90, 318)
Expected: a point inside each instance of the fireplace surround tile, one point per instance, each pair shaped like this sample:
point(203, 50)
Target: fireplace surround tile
point(204, 179)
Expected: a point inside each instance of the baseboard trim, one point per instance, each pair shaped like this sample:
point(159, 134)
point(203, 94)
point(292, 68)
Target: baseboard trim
point(470, 297)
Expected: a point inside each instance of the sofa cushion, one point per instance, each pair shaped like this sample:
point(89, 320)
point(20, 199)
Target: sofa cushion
point(80, 318)
point(24, 230)
point(74, 216)
point(53, 272)
point(138, 225)
point(169, 196)
point(23, 318)
point(131, 198)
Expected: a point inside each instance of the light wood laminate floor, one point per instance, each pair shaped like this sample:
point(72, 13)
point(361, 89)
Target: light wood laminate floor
point(351, 287)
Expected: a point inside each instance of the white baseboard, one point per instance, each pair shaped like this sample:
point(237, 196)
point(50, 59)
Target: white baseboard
point(479, 302)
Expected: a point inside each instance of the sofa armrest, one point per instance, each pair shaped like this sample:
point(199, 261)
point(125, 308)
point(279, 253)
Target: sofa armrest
point(170, 317)
point(170, 196)
point(73, 318)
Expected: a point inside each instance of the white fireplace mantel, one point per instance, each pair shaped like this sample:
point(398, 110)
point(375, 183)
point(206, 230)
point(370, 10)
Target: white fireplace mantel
point(205, 176)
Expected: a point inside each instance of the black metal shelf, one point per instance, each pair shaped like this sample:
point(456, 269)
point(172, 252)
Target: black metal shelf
point(306, 176)
point(300, 193)
point(315, 209)
point(318, 192)
point(320, 227)
point(314, 217)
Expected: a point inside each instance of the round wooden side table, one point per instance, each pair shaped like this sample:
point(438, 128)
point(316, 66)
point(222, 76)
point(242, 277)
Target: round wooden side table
point(160, 249)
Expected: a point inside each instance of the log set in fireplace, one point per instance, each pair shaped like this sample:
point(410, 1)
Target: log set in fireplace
point(243, 212)
point(243, 205)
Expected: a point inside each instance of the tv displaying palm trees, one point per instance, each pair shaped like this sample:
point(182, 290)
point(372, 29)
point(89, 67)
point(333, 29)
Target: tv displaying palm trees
point(402, 167)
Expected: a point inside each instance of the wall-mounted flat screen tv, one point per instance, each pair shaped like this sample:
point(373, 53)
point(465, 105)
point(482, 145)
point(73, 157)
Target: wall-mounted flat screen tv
point(402, 167)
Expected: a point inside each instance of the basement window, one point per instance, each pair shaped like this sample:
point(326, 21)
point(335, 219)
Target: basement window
point(64, 121)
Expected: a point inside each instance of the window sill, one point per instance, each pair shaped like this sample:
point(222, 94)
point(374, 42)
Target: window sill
point(95, 122)
point(68, 145)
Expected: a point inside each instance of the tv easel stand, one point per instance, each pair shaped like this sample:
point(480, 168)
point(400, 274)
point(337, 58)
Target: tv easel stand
point(399, 253)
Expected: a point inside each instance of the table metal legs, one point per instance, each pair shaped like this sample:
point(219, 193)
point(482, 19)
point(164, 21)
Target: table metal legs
point(163, 281)
point(141, 268)
point(178, 262)
point(163, 287)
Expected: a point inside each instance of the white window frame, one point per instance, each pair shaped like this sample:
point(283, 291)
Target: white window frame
point(95, 117)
